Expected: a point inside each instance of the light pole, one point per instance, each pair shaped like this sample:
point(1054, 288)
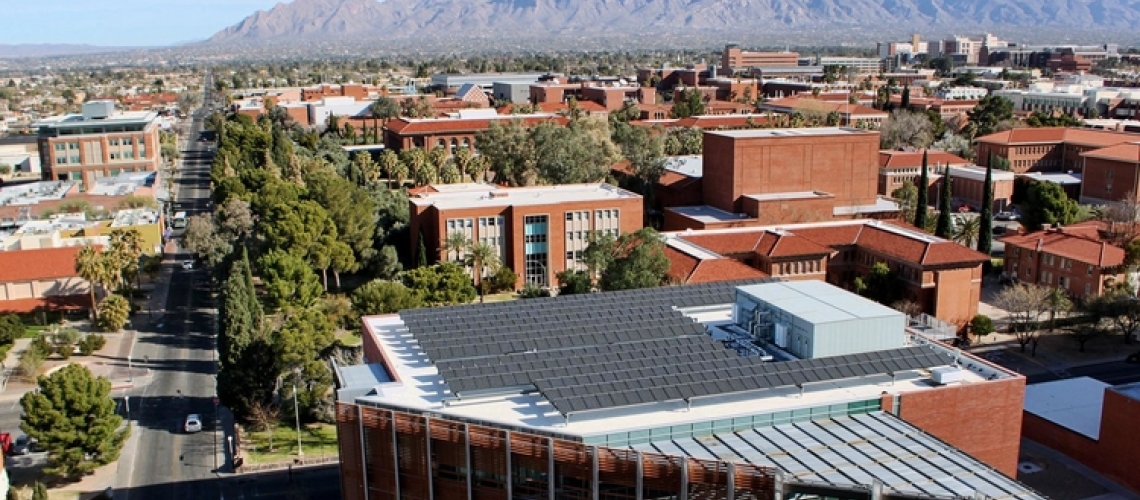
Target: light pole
point(130, 372)
point(127, 402)
point(297, 416)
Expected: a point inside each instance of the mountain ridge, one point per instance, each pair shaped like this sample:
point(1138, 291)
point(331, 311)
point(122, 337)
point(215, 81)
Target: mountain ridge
point(304, 19)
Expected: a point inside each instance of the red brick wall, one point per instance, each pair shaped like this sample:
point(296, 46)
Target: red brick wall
point(982, 419)
point(1096, 182)
point(957, 294)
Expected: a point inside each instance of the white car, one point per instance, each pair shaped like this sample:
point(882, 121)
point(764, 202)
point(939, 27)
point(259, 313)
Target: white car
point(193, 424)
point(188, 264)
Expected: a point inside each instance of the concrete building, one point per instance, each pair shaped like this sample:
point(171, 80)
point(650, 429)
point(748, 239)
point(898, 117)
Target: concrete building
point(452, 81)
point(962, 93)
point(1089, 421)
point(100, 142)
point(1073, 259)
point(24, 202)
point(860, 65)
point(537, 231)
point(769, 176)
point(631, 395)
point(512, 92)
point(942, 277)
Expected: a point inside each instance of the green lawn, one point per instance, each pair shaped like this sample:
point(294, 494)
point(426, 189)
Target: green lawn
point(316, 440)
point(499, 297)
point(350, 337)
point(34, 331)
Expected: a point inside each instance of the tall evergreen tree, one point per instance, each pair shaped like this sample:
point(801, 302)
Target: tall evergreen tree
point(905, 104)
point(945, 225)
point(421, 252)
point(986, 227)
point(921, 202)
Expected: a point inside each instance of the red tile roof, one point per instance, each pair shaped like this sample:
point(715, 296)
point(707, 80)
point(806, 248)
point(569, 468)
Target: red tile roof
point(40, 264)
point(913, 159)
point(1129, 152)
point(56, 303)
point(1079, 136)
point(843, 108)
point(726, 243)
point(686, 269)
point(1071, 246)
point(405, 126)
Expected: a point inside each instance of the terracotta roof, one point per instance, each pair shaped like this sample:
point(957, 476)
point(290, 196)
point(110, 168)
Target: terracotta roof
point(842, 108)
point(776, 245)
point(405, 126)
point(913, 159)
point(1081, 136)
point(726, 243)
point(686, 269)
point(1070, 246)
point(1129, 152)
point(39, 264)
point(55, 303)
point(721, 121)
point(832, 236)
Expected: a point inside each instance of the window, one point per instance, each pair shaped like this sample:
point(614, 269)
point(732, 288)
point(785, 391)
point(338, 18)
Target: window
point(112, 142)
point(1088, 288)
point(1088, 269)
point(128, 141)
point(60, 146)
point(569, 215)
point(73, 146)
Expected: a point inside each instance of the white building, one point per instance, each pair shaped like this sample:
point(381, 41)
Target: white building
point(962, 93)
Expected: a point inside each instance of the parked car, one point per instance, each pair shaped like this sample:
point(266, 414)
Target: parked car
point(193, 424)
point(187, 265)
point(25, 445)
point(1006, 216)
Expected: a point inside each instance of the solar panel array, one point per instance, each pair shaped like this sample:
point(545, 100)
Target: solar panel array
point(563, 322)
point(628, 387)
point(595, 351)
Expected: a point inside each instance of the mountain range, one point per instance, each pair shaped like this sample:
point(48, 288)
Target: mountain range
point(392, 19)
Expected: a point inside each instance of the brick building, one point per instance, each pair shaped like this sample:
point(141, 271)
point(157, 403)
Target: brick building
point(645, 394)
point(354, 90)
point(941, 276)
point(537, 231)
point(734, 59)
point(898, 167)
point(451, 133)
point(1072, 258)
point(1050, 149)
point(1111, 174)
point(42, 279)
point(854, 115)
point(100, 142)
point(1089, 421)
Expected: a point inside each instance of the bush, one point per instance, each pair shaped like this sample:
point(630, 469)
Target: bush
point(504, 279)
point(40, 347)
point(91, 343)
point(11, 328)
point(533, 291)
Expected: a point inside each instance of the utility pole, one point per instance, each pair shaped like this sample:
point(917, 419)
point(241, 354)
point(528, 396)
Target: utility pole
point(297, 416)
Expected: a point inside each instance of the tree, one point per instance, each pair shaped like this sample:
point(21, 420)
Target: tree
point(305, 333)
point(905, 103)
point(1123, 217)
point(981, 325)
point(986, 218)
point(11, 328)
point(89, 266)
point(73, 417)
point(1025, 304)
point(533, 291)
point(504, 279)
point(1046, 204)
point(113, 313)
point(879, 284)
point(441, 284)
point(905, 129)
point(689, 103)
point(985, 117)
point(264, 417)
point(124, 252)
point(384, 108)
point(921, 202)
point(571, 282)
point(482, 259)
point(633, 260)
point(1119, 308)
point(384, 297)
point(1056, 303)
point(1083, 333)
point(954, 144)
point(39, 491)
point(906, 195)
point(393, 168)
point(289, 281)
point(1054, 119)
point(456, 243)
point(967, 230)
point(945, 224)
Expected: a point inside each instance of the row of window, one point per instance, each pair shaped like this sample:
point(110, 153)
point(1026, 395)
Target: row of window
point(1049, 260)
point(799, 267)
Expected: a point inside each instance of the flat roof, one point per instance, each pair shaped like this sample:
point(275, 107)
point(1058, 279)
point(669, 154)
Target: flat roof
point(880, 205)
point(1132, 390)
point(1062, 178)
point(77, 119)
point(471, 195)
point(818, 302)
point(856, 450)
point(976, 173)
point(787, 132)
point(689, 165)
point(790, 195)
point(708, 214)
point(1074, 403)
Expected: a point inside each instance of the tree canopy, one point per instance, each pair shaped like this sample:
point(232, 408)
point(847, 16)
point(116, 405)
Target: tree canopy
point(1046, 204)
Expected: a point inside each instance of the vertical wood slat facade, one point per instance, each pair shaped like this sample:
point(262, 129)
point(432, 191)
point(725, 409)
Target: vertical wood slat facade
point(415, 457)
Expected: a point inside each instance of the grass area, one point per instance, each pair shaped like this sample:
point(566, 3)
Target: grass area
point(316, 440)
point(350, 338)
point(34, 331)
point(500, 297)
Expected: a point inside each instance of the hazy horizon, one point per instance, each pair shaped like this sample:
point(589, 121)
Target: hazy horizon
point(123, 22)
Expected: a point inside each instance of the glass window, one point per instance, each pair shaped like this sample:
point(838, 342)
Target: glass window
point(569, 215)
point(569, 255)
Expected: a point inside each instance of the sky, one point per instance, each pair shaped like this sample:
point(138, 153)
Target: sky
point(121, 22)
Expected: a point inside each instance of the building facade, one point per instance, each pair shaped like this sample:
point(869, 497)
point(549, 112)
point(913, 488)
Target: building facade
point(100, 142)
point(1050, 149)
point(537, 231)
point(452, 133)
point(734, 58)
point(1073, 259)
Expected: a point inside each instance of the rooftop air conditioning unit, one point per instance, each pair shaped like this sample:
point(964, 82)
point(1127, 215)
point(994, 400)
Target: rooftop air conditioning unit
point(944, 375)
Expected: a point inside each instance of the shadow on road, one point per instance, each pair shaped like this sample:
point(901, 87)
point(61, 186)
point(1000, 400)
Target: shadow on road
point(309, 483)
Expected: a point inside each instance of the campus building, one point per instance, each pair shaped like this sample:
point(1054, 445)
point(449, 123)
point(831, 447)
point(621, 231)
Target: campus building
point(100, 142)
point(745, 390)
point(772, 176)
point(734, 59)
point(452, 133)
point(941, 277)
point(1074, 259)
point(538, 231)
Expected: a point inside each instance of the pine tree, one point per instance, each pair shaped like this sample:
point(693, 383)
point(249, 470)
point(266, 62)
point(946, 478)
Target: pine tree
point(986, 228)
point(944, 225)
point(421, 252)
point(905, 104)
point(921, 201)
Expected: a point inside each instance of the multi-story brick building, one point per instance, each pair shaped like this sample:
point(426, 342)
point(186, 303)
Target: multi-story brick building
point(1051, 149)
point(1111, 174)
point(1073, 259)
point(451, 133)
point(898, 167)
point(100, 142)
point(940, 276)
point(734, 58)
point(669, 393)
point(853, 115)
point(537, 231)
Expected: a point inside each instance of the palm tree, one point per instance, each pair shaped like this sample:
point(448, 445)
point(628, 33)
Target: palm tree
point(126, 249)
point(392, 167)
point(482, 256)
point(462, 160)
point(455, 242)
point(418, 166)
point(368, 168)
point(966, 230)
point(89, 266)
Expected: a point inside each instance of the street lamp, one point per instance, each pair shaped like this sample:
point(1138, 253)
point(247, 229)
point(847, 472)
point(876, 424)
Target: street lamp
point(297, 415)
point(130, 372)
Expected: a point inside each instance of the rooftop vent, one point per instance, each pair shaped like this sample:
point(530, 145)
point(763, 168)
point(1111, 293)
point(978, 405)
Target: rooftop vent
point(98, 110)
